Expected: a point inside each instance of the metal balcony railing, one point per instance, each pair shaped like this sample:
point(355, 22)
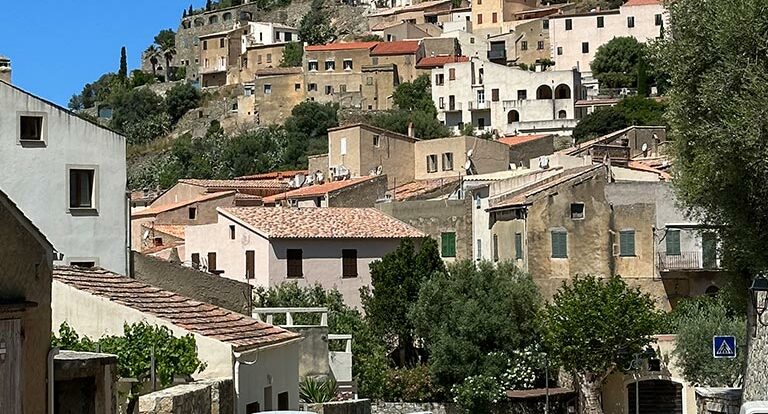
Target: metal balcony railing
point(690, 260)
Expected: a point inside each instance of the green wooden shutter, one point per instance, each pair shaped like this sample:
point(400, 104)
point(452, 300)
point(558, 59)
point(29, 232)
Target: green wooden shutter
point(518, 246)
point(448, 244)
point(559, 244)
point(495, 248)
point(627, 242)
point(673, 243)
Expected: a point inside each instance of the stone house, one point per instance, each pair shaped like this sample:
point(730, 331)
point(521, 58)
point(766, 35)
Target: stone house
point(507, 100)
point(394, 31)
point(261, 47)
point(262, 359)
point(26, 262)
point(266, 246)
point(528, 42)
point(624, 145)
point(402, 54)
point(414, 13)
point(488, 16)
point(287, 83)
point(354, 192)
point(68, 175)
point(524, 148)
point(214, 59)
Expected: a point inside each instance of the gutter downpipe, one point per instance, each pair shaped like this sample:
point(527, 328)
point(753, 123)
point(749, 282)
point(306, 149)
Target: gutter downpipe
point(51, 355)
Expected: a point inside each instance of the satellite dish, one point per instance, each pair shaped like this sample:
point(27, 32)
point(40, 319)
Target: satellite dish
point(470, 152)
point(299, 180)
point(342, 172)
point(544, 162)
point(512, 166)
point(310, 179)
point(145, 235)
point(644, 148)
point(319, 177)
point(468, 165)
point(379, 170)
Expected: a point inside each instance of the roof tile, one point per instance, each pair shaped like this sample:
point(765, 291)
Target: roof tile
point(340, 46)
point(155, 210)
point(439, 61)
point(402, 47)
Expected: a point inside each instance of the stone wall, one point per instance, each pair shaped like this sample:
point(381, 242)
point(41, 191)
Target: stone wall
point(203, 397)
point(220, 291)
point(756, 377)
point(364, 194)
point(340, 407)
point(405, 408)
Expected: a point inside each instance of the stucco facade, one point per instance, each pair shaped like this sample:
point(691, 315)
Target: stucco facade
point(274, 94)
point(508, 100)
point(37, 176)
point(451, 156)
point(488, 16)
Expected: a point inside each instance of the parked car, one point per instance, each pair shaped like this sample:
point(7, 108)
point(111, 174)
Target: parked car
point(754, 407)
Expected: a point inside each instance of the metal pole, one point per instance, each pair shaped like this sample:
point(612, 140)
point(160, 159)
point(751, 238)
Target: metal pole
point(152, 375)
point(637, 383)
point(546, 383)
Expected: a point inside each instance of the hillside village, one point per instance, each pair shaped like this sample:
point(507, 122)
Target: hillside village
point(392, 207)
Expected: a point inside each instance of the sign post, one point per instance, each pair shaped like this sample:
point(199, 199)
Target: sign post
point(724, 346)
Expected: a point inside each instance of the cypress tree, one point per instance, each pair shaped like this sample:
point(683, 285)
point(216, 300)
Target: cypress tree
point(123, 71)
point(208, 5)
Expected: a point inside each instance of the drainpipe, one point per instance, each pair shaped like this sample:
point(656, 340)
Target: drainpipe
point(51, 354)
point(128, 267)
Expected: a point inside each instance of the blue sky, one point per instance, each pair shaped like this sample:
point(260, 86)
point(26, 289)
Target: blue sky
point(56, 46)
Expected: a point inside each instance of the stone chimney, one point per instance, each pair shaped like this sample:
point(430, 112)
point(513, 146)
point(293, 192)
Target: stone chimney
point(5, 69)
point(410, 129)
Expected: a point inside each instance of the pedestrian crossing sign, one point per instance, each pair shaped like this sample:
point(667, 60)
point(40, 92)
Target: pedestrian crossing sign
point(724, 346)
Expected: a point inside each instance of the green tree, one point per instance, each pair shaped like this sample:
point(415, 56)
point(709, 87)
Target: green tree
point(635, 110)
point(132, 106)
point(415, 96)
point(208, 5)
point(425, 125)
point(594, 326)
point(315, 27)
point(153, 53)
point(292, 55)
point(122, 73)
point(395, 283)
point(718, 72)
point(470, 313)
point(307, 131)
point(196, 158)
point(180, 99)
point(616, 63)
point(256, 151)
point(141, 78)
point(165, 38)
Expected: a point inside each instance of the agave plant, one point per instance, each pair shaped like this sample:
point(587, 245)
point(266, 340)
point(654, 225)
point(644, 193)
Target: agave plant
point(312, 390)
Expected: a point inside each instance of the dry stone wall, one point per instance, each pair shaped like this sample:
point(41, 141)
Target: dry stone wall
point(203, 397)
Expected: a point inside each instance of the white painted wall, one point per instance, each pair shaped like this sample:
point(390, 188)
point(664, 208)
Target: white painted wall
point(277, 367)
point(35, 178)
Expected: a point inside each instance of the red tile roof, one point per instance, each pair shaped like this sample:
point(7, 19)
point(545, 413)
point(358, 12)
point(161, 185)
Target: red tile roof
point(169, 229)
point(321, 223)
point(402, 47)
point(223, 185)
point(642, 2)
point(273, 175)
point(430, 62)
point(155, 210)
point(242, 332)
point(315, 190)
point(641, 166)
point(521, 139)
point(340, 46)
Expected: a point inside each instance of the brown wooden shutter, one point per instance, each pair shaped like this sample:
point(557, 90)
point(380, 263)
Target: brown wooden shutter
point(250, 264)
point(494, 95)
point(349, 263)
point(211, 261)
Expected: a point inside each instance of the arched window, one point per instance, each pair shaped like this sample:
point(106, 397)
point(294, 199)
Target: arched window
point(213, 19)
point(562, 91)
point(199, 22)
point(226, 16)
point(561, 114)
point(186, 24)
point(544, 92)
point(513, 116)
point(712, 291)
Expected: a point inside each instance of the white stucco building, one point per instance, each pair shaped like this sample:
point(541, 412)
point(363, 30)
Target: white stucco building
point(505, 100)
point(68, 176)
point(266, 246)
point(267, 33)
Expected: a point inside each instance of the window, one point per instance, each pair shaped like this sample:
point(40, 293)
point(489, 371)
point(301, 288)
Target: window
point(524, 45)
point(250, 264)
point(522, 94)
point(540, 45)
point(192, 213)
point(431, 163)
point(195, 260)
point(31, 128)
point(448, 244)
point(312, 87)
point(288, 36)
point(495, 248)
point(329, 89)
point(205, 64)
point(268, 398)
point(630, 21)
point(585, 47)
point(81, 188)
point(211, 261)
point(258, 59)
point(232, 232)
point(561, 114)
point(282, 398)
point(330, 65)
point(627, 243)
point(545, 24)
point(312, 65)
point(342, 88)
point(577, 211)
point(472, 40)
point(269, 58)
point(84, 264)
point(376, 140)
point(222, 61)
point(494, 95)
point(568, 24)
point(448, 161)
point(221, 43)
point(296, 87)
point(294, 262)
point(479, 2)
point(348, 263)
point(369, 80)
point(479, 255)
point(518, 246)
point(559, 244)
point(205, 45)
point(441, 103)
point(673, 243)
point(267, 89)
point(481, 96)
point(452, 74)
point(347, 64)
point(559, 50)
point(659, 20)
point(494, 17)
point(439, 79)
point(479, 19)
point(252, 408)
point(600, 21)
point(513, 116)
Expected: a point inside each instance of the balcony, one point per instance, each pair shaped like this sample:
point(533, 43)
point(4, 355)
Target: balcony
point(691, 260)
point(478, 106)
point(497, 55)
point(451, 107)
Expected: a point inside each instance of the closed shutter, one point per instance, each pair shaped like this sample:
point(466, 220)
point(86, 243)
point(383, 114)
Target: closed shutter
point(349, 263)
point(709, 250)
point(250, 264)
point(559, 244)
point(518, 246)
point(495, 248)
point(494, 95)
point(212, 261)
point(195, 260)
point(448, 244)
point(627, 242)
point(673, 243)
point(294, 260)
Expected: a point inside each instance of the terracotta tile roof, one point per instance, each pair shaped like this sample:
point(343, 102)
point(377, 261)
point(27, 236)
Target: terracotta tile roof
point(278, 71)
point(223, 185)
point(430, 62)
point(642, 3)
point(321, 223)
point(383, 25)
point(240, 331)
point(521, 139)
point(160, 248)
point(155, 210)
point(402, 47)
point(413, 7)
point(341, 46)
point(273, 175)
point(526, 195)
point(418, 188)
point(169, 229)
point(315, 190)
point(641, 166)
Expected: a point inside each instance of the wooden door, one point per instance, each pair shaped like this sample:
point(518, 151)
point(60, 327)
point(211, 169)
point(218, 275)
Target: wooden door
point(10, 366)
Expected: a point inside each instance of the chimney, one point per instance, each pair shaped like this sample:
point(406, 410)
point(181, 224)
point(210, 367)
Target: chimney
point(5, 69)
point(410, 130)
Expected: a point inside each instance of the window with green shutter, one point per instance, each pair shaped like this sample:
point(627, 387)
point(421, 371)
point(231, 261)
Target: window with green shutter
point(673, 243)
point(559, 244)
point(448, 244)
point(627, 243)
point(519, 246)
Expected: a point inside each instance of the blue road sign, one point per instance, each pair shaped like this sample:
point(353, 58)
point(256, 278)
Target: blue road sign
point(724, 346)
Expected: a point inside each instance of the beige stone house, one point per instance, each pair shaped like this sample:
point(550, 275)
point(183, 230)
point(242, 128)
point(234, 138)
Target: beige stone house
point(266, 246)
point(214, 59)
point(528, 43)
point(415, 13)
point(488, 16)
point(262, 92)
point(262, 360)
point(26, 261)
